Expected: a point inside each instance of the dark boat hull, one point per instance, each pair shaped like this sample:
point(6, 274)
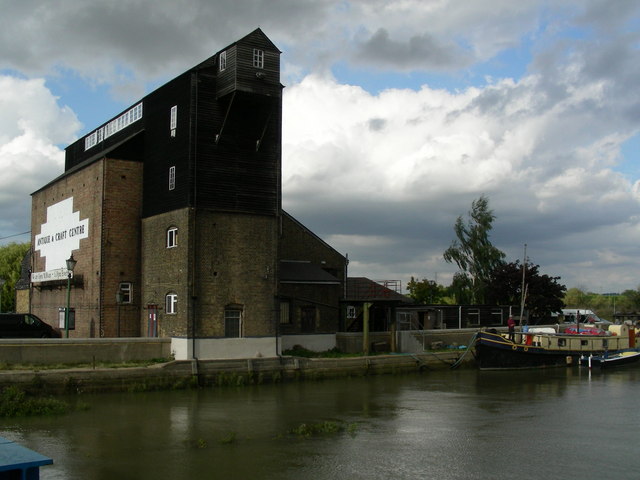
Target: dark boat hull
point(494, 352)
point(612, 361)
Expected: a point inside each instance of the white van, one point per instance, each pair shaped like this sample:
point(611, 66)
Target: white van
point(586, 316)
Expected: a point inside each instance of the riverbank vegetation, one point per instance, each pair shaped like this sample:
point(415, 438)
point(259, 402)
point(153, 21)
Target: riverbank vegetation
point(16, 403)
point(604, 304)
point(327, 427)
point(301, 431)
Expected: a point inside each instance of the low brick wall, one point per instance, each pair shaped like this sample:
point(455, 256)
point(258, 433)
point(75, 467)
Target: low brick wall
point(71, 351)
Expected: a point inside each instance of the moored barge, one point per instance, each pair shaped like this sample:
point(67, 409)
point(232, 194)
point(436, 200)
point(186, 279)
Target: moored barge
point(539, 348)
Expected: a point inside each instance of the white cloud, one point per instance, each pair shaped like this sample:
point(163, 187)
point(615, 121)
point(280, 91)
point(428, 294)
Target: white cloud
point(32, 125)
point(547, 165)
point(430, 141)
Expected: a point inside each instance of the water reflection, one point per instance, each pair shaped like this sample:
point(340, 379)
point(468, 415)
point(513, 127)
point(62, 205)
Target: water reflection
point(445, 425)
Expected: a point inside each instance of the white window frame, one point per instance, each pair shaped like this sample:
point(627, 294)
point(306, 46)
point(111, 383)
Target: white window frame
point(258, 58)
point(172, 177)
point(223, 61)
point(229, 315)
point(126, 290)
point(473, 316)
point(172, 237)
point(285, 312)
point(127, 118)
point(171, 303)
point(173, 120)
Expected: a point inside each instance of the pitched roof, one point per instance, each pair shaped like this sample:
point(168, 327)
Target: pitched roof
point(364, 289)
point(305, 272)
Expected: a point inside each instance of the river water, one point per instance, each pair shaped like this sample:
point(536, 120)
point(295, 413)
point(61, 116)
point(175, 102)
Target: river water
point(464, 424)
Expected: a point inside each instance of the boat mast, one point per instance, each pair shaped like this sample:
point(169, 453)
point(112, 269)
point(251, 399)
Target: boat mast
point(523, 288)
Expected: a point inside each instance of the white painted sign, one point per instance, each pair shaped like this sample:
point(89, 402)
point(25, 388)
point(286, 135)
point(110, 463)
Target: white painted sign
point(58, 274)
point(58, 238)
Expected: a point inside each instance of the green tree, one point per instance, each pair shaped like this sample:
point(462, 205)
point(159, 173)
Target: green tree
point(628, 301)
point(544, 295)
point(473, 252)
point(11, 256)
point(602, 305)
point(426, 291)
point(460, 289)
point(577, 298)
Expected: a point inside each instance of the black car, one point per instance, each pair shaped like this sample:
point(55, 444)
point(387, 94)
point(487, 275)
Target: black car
point(25, 325)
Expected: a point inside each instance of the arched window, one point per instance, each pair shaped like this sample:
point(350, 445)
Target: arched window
point(172, 237)
point(171, 303)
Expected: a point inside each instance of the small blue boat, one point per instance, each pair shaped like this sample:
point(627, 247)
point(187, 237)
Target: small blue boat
point(605, 360)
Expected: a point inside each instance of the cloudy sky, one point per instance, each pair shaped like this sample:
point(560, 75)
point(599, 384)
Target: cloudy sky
point(397, 115)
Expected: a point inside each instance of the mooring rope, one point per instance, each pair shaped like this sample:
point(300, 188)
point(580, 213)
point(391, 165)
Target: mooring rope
point(457, 363)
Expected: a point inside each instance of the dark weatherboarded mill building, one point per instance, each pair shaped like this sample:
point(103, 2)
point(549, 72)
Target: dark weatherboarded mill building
point(173, 212)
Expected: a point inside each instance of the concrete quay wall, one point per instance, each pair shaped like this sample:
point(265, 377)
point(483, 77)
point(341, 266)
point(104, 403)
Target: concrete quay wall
point(233, 372)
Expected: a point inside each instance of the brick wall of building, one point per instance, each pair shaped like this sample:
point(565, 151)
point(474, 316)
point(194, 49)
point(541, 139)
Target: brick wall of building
point(234, 258)
point(86, 188)
point(323, 298)
point(121, 252)
point(99, 192)
point(165, 270)
point(299, 243)
point(236, 265)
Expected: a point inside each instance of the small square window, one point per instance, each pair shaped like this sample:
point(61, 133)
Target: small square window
point(125, 292)
point(172, 178)
point(258, 58)
point(172, 237)
point(223, 61)
point(171, 303)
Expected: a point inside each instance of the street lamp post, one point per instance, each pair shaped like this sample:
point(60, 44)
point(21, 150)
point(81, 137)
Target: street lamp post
point(71, 264)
